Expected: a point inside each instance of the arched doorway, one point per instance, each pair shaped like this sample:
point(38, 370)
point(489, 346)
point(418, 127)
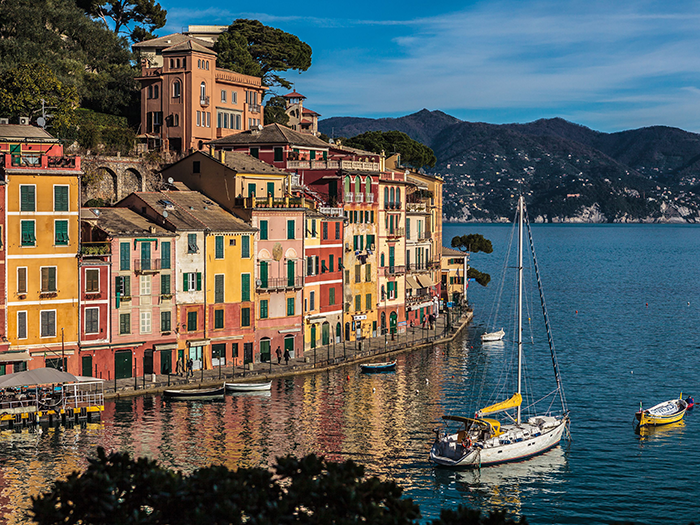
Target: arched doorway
point(347, 331)
point(393, 322)
point(325, 333)
point(383, 322)
point(313, 336)
point(338, 333)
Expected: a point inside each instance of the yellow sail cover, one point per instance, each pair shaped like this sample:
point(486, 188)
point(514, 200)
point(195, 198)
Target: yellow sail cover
point(513, 402)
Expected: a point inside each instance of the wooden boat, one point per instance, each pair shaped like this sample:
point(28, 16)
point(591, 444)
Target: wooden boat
point(664, 413)
point(195, 394)
point(248, 387)
point(486, 441)
point(389, 366)
point(493, 336)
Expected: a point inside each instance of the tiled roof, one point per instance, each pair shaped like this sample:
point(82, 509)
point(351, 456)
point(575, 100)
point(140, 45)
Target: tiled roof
point(189, 45)
point(293, 94)
point(271, 134)
point(308, 111)
point(170, 41)
point(451, 252)
point(122, 222)
point(244, 163)
point(12, 132)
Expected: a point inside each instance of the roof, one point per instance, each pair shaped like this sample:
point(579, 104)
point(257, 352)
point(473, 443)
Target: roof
point(271, 134)
point(171, 41)
point(293, 94)
point(354, 151)
point(40, 376)
point(308, 111)
point(10, 132)
point(122, 222)
point(451, 252)
point(192, 210)
point(189, 45)
point(244, 163)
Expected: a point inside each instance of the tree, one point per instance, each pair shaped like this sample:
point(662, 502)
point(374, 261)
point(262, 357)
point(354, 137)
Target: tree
point(135, 18)
point(275, 111)
point(474, 243)
point(115, 489)
point(412, 152)
point(250, 47)
point(24, 88)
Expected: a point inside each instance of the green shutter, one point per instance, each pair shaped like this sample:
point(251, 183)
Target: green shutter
point(60, 198)
point(28, 237)
point(263, 230)
point(164, 284)
point(199, 281)
point(245, 246)
point(124, 254)
point(60, 233)
point(52, 279)
point(358, 303)
point(27, 198)
point(290, 273)
point(245, 287)
point(165, 255)
point(127, 285)
point(219, 247)
point(145, 255)
point(290, 229)
point(263, 309)
point(263, 273)
point(218, 288)
point(218, 318)
point(184, 283)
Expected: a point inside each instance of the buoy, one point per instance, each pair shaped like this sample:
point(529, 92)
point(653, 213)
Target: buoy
point(631, 371)
point(348, 377)
point(576, 311)
point(647, 304)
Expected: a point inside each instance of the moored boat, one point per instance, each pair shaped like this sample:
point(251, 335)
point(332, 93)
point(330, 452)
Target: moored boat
point(493, 336)
point(664, 413)
point(195, 394)
point(389, 366)
point(248, 387)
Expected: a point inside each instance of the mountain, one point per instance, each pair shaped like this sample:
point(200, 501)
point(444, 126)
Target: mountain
point(568, 172)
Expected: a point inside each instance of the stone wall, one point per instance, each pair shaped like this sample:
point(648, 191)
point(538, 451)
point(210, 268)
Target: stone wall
point(113, 178)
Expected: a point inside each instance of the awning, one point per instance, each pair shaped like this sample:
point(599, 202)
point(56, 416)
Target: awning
point(411, 283)
point(10, 357)
point(166, 346)
point(198, 342)
point(425, 281)
point(40, 376)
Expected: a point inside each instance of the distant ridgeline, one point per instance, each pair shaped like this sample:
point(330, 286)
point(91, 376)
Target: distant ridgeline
point(569, 173)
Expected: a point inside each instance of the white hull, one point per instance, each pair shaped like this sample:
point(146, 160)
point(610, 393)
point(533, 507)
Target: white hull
point(514, 444)
point(493, 336)
point(248, 387)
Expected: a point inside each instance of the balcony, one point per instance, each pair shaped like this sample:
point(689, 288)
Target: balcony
point(331, 212)
point(278, 283)
point(146, 265)
point(204, 101)
point(359, 197)
point(357, 165)
point(420, 207)
point(44, 162)
point(95, 249)
point(418, 267)
point(369, 197)
point(254, 108)
point(424, 236)
point(394, 270)
point(396, 232)
point(349, 197)
point(313, 164)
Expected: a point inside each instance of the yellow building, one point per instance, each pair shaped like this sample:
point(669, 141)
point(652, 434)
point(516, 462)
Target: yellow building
point(42, 208)
point(454, 268)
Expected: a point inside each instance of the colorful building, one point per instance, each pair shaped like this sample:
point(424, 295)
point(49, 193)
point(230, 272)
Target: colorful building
point(301, 119)
point(454, 281)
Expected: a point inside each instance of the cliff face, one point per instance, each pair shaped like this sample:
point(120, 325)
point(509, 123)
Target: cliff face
point(569, 173)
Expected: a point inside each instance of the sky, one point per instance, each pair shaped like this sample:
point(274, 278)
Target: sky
point(608, 65)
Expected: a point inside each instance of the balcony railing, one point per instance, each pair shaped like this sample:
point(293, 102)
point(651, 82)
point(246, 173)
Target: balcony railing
point(359, 197)
point(418, 267)
point(313, 164)
point(394, 270)
point(423, 236)
point(279, 283)
point(396, 232)
point(254, 108)
point(95, 249)
point(356, 165)
point(392, 205)
point(349, 197)
point(331, 212)
point(41, 161)
point(417, 207)
point(146, 265)
point(204, 101)
point(369, 197)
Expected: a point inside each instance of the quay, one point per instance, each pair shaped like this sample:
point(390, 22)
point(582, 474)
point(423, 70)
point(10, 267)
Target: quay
point(325, 357)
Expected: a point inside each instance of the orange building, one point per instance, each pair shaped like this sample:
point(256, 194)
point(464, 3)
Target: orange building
point(186, 100)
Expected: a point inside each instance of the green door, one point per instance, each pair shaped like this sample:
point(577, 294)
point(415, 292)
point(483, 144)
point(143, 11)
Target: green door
point(87, 366)
point(265, 351)
point(166, 362)
point(251, 190)
point(313, 336)
point(289, 345)
point(393, 321)
point(326, 334)
point(270, 189)
point(122, 364)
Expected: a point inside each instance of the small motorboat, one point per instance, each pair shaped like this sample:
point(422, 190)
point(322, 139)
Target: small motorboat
point(492, 336)
point(389, 366)
point(195, 394)
point(662, 414)
point(248, 387)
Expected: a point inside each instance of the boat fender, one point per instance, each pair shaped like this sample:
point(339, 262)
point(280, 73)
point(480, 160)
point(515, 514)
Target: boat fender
point(467, 442)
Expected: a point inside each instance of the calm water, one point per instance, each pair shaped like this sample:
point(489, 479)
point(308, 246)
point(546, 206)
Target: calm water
point(618, 301)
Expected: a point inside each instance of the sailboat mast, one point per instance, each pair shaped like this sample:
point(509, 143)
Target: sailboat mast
point(520, 298)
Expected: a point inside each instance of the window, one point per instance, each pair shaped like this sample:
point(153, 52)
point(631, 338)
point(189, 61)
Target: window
point(124, 324)
point(255, 152)
point(368, 273)
point(92, 280)
point(234, 97)
point(27, 198)
point(331, 296)
point(192, 243)
point(146, 285)
point(21, 280)
point(219, 241)
point(290, 229)
point(177, 89)
point(165, 284)
point(165, 321)
point(223, 96)
point(278, 155)
point(60, 198)
point(122, 285)
point(219, 288)
point(28, 237)
point(165, 255)
point(60, 233)
point(263, 230)
point(337, 230)
point(124, 256)
point(291, 274)
point(245, 316)
point(192, 321)
point(245, 287)
point(310, 265)
point(330, 262)
point(145, 322)
point(245, 246)
point(218, 319)
point(192, 281)
point(325, 231)
point(263, 274)
point(48, 279)
point(358, 268)
point(370, 242)
point(48, 323)
point(199, 123)
point(21, 325)
point(358, 303)
point(264, 309)
point(202, 93)
point(368, 301)
point(290, 306)
point(312, 301)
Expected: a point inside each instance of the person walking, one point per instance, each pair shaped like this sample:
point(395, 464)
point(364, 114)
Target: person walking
point(286, 356)
point(178, 367)
point(190, 365)
point(279, 355)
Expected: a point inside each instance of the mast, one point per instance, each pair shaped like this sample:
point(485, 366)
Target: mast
point(520, 299)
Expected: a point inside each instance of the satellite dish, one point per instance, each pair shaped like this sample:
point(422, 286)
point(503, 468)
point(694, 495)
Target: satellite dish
point(165, 213)
point(170, 180)
point(260, 127)
point(41, 121)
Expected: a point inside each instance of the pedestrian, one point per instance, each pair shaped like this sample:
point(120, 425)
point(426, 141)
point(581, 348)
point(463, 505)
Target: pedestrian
point(279, 355)
point(431, 320)
point(286, 356)
point(178, 366)
point(190, 365)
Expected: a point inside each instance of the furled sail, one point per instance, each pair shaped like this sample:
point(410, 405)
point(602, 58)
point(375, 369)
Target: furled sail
point(513, 402)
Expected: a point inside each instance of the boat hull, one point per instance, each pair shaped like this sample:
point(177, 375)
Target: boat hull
point(379, 367)
point(248, 387)
point(194, 395)
point(493, 336)
point(662, 414)
point(446, 452)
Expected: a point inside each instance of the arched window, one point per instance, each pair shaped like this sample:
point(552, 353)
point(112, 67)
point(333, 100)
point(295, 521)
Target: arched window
point(358, 185)
point(368, 185)
point(338, 332)
point(386, 197)
point(199, 63)
point(347, 184)
point(381, 261)
point(398, 197)
point(172, 63)
point(391, 196)
point(177, 89)
point(202, 92)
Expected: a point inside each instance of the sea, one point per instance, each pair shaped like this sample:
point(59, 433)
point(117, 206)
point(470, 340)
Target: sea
point(624, 308)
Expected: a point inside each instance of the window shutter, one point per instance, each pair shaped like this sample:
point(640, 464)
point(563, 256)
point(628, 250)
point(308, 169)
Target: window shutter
point(245, 246)
point(61, 198)
point(52, 279)
point(219, 247)
point(317, 269)
point(245, 287)
point(184, 283)
point(127, 285)
point(263, 230)
point(263, 273)
point(199, 281)
point(124, 253)
point(165, 255)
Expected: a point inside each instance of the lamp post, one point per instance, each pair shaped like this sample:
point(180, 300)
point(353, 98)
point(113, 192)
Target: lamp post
point(63, 354)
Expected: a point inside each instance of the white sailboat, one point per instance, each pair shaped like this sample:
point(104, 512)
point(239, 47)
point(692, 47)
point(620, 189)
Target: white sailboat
point(485, 441)
point(489, 337)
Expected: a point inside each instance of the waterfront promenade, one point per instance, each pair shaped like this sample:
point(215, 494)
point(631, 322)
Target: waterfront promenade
point(321, 358)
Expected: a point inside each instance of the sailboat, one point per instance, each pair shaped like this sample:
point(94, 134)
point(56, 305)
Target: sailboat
point(484, 441)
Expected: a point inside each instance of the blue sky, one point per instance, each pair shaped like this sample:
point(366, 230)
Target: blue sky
point(608, 65)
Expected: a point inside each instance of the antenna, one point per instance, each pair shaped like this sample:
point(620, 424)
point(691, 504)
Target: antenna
point(260, 127)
